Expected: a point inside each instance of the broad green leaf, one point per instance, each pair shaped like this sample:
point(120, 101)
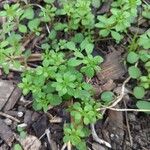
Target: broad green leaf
point(89, 48)
point(104, 32)
point(74, 62)
point(144, 55)
point(144, 40)
point(107, 96)
point(49, 1)
point(3, 13)
point(132, 57)
point(96, 3)
point(78, 38)
point(71, 45)
point(86, 120)
point(143, 105)
point(17, 147)
point(88, 71)
point(55, 100)
point(77, 116)
point(134, 72)
point(28, 14)
point(139, 92)
point(22, 28)
point(33, 24)
point(117, 36)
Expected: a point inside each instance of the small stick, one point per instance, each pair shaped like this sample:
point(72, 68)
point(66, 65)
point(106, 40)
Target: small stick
point(64, 146)
point(97, 139)
point(124, 109)
point(120, 97)
point(10, 117)
point(69, 145)
point(128, 126)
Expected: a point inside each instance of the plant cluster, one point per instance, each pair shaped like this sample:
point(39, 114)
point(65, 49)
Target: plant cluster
point(141, 73)
point(123, 13)
point(67, 55)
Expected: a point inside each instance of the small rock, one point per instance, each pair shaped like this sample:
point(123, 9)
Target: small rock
point(8, 121)
point(23, 125)
point(132, 117)
point(20, 114)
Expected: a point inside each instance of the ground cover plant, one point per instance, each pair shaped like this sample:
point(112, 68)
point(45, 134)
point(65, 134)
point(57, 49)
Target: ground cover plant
point(68, 63)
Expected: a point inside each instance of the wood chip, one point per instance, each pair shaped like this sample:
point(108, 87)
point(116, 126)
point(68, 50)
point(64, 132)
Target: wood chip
point(13, 99)
point(6, 133)
point(6, 88)
point(30, 143)
point(112, 68)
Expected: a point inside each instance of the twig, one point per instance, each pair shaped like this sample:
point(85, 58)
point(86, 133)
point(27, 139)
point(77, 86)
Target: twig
point(69, 145)
point(97, 139)
point(124, 109)
point(32, 58)
point(10, 117)
point(120, 97)
point(64, 146)
point(128, 126)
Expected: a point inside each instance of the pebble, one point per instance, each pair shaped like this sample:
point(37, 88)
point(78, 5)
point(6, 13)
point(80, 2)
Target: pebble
point(8, 121)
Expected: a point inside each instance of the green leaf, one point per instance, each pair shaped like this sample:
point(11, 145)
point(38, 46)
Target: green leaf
point(118, 37)
point(28, 14)
point(144, 40)
point(71, 45)
point(78, 38)
point(144, 55)
point(17, 147)
point(23, 134)
point(49, 1)
point(16, 64)
point(78, 116)
point(86, 120)
point(107, 96)
point(88, 71)
point(104, 32)
point(74, 62)
point(55, 100)
point(143, 105)
point(52, 34)
point(3, 13)
point(134, 72)
point(96, 3)
point(4, 44)
point(33, 24)
point(132, 57)
point(22, 28)
point(89, 48)
point(139, 92)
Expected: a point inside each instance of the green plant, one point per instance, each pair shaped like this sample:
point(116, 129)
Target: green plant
point(107, 96)
point(22, 132)
point(143, 81)
point(143, 105)
point(122, 15)
point(146, 11)
point(75, 135)
point(78, 12)
point(47, 13)
point(144, 40)
point(67, 55)
point(85, 112)
point(17, 147)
